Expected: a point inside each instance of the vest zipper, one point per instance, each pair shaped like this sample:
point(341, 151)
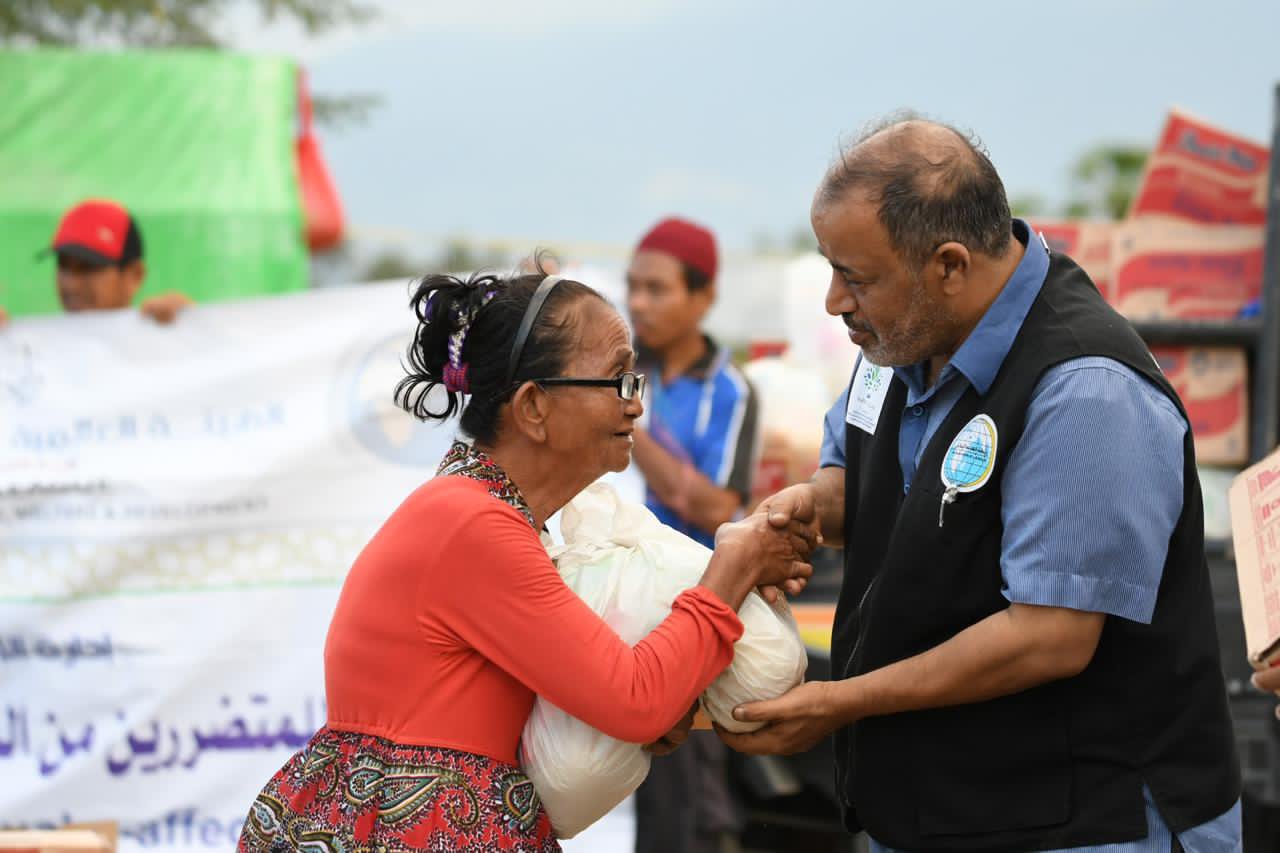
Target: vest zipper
point(842, 781)
point(857, 639)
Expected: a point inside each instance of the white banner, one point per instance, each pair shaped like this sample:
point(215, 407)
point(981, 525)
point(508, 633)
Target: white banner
point(178, 507)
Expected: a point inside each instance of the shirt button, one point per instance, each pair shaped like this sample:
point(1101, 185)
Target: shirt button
point(917, 410)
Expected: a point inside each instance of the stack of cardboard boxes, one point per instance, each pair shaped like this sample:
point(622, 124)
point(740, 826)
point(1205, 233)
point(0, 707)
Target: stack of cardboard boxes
point(1191, 248)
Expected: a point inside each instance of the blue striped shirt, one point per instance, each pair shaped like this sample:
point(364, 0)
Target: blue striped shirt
point(707, 417)
point(1094, 428)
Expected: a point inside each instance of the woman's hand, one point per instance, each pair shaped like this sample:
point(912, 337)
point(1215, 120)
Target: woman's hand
point(752, 552)
point(672, 740)
point(797, 503)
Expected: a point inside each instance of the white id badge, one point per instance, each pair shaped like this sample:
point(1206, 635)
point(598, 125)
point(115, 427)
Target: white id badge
point(866, 395)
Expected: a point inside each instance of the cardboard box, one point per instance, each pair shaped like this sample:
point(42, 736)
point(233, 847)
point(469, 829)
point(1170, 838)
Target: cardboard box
point(1087, 243)
point(1167, 269)
point(1255, 532)
point(1214, 387)
point(793, 401)
point(55, 841)
point(108, 829)
point(1201, 173)
point(785, 459)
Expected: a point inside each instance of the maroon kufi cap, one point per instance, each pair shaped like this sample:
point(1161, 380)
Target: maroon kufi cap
point(685, 241)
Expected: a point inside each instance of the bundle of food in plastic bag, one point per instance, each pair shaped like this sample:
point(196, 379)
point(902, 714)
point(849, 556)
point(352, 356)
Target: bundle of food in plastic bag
point(629, 567)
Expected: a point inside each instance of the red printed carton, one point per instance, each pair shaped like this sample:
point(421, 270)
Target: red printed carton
point(1201, 173)
point(1087, 243)
point(1213, 385)
point(1165, 269)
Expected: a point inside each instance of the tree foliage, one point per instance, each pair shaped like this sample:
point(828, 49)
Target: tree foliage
point(159, 23)
point(1105, 179)
point(456, 255)
point(1103, 182)
point(1027, 205)
point(180, 23)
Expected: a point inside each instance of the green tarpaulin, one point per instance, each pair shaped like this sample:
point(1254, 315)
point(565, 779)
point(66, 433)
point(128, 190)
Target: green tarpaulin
point(197, 144)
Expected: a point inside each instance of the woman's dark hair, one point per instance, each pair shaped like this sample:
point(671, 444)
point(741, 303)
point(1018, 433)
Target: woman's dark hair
point(441, 302)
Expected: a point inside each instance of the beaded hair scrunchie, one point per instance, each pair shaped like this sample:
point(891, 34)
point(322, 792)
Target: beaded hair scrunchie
point(455, 372)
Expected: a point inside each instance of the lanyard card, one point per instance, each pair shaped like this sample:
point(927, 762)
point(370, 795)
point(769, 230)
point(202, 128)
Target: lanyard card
point(866, 395)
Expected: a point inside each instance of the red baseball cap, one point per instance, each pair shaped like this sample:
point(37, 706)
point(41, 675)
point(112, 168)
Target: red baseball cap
point(98, 231)
point(685, 241)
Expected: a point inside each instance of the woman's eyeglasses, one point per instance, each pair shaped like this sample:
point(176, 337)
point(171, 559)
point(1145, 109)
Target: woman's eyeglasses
point(629, 385)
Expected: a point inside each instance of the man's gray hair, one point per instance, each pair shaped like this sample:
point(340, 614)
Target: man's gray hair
point(931, 182)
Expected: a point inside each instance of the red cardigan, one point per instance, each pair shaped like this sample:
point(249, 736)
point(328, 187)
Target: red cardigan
point(454, 617)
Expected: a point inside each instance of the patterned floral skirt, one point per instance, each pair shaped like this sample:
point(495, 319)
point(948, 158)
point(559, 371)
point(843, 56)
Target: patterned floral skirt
point(347, 792)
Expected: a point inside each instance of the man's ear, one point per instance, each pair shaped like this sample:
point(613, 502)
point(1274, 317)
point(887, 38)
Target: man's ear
point(529, 409)
point(951, 265)
point(703, 298)
point(135, 272)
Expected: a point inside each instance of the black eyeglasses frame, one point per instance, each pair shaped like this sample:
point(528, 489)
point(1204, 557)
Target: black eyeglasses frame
point(639, 383)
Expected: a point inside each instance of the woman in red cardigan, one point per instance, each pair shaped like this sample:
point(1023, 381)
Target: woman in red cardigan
point(453, 618)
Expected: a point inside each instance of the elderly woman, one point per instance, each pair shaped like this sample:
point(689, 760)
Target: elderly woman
point(453, 618)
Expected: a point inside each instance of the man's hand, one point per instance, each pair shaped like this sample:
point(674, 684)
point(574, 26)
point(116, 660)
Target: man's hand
point(672, 740)
point(796, 721)
point(798, 502)
point(1268, 680)
point(165, 307)
point(4, 317)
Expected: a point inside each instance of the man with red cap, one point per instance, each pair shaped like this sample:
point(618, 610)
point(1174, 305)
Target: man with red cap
point(697, 455)
point(100, 266)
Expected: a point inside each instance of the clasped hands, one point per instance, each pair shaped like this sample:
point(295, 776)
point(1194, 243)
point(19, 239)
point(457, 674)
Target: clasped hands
point(799, 719)
point(776, 544)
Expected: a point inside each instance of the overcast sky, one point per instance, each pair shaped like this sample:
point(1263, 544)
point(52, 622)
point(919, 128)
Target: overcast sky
point(580, 120)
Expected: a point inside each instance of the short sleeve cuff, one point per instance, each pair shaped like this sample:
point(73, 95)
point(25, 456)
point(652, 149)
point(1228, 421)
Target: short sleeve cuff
point(1081, 592)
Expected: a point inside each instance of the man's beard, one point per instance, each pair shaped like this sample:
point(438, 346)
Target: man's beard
point(914, 337)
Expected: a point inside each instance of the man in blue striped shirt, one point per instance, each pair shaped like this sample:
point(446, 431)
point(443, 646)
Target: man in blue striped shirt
point(698, 450)
point(697, 453)
point(1089, 501)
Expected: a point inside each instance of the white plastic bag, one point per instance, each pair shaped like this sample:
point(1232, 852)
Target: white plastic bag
point(768, 660)
point(629, 567)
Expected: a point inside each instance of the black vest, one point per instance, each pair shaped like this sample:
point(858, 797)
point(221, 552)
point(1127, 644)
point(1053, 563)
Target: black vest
point(1063, 764)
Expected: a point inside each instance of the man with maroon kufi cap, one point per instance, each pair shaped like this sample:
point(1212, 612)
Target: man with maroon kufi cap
point(697, 455)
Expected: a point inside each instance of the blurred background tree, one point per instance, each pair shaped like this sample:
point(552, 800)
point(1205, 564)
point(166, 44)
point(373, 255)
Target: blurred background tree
point(1104, 181)
point(457, 255)
point(1028, 205)
point(179, 23)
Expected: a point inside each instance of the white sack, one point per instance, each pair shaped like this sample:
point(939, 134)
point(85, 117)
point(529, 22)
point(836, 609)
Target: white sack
point(768, 660)
point(629, 567)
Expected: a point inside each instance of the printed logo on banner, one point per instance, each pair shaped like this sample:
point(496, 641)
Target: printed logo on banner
point(365, 389)
point(20, 382)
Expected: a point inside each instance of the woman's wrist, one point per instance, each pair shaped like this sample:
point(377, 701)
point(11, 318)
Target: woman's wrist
point(728, 575)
